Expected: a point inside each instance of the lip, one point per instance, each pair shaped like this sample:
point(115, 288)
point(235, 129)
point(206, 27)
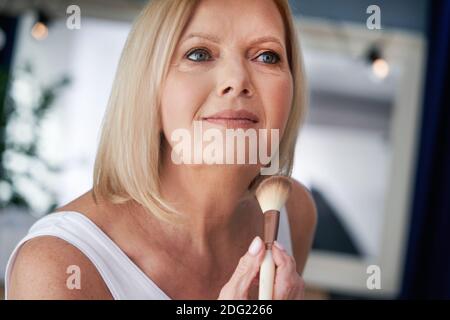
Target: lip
point(233, 118)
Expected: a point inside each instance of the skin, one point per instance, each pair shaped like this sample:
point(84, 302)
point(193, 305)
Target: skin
point(212, 245)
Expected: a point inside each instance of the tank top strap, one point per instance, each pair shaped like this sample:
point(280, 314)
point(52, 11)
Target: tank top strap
point(124, 279)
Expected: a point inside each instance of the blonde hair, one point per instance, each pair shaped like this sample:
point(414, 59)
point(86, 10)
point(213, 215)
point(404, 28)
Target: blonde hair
point(128, 159)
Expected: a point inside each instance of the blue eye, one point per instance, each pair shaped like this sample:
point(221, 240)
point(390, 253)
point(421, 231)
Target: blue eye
point(199, 55)
point(270, 57)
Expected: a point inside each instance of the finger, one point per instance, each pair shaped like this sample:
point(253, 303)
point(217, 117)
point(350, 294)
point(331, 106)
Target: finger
point(249, 263)
point(281, 258)
point(286, 276)
point(248, 267)
point(255, 281)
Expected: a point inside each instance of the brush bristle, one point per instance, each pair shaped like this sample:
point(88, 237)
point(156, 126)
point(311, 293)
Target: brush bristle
point(273, 192)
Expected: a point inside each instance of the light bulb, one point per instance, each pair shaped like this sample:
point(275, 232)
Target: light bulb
point(380, 68)
point(39, 31)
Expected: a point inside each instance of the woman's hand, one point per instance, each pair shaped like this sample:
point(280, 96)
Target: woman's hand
point(288, 283)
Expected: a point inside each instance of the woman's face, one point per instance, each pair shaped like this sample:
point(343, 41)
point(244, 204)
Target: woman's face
point(231, 57)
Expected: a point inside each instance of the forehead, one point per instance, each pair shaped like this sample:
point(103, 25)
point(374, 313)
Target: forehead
point(237, 19)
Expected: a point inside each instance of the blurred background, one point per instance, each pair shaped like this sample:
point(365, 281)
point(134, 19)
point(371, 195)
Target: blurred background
point(374, 152)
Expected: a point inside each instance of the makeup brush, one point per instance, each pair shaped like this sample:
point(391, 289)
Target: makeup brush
point(271, 194)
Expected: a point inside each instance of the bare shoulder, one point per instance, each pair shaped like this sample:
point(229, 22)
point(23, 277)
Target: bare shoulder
point(84, 204)
point(96, 211)
point(302, 215)
point(47, 267)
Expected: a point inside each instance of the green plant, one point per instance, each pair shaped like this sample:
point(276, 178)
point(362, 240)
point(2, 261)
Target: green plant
point(25, 105)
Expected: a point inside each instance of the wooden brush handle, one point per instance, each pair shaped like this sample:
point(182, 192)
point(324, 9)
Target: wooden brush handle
point(266, 277)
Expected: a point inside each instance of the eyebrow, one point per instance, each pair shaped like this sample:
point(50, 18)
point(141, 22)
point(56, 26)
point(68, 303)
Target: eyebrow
point(202, 35)
point(216, 39)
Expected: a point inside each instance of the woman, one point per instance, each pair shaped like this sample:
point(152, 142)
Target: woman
point(151, 228)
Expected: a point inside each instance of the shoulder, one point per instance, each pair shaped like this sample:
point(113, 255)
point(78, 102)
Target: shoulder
point(85, 204)
point(300, 205)
point(47, 267)
point(302, 215)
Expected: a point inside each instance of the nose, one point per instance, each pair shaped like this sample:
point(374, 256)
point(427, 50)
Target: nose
point(235, 80)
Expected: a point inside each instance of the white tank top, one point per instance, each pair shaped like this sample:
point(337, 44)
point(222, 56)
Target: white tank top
point(124, 279)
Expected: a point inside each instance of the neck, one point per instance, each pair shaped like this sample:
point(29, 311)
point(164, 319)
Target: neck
point(213, 201)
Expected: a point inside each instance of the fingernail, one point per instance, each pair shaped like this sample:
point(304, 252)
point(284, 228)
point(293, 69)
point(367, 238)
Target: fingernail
point(279, 245)
point(255, 246)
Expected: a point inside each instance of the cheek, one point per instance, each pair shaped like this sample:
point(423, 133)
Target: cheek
point(182, 96)
point(277, 101)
